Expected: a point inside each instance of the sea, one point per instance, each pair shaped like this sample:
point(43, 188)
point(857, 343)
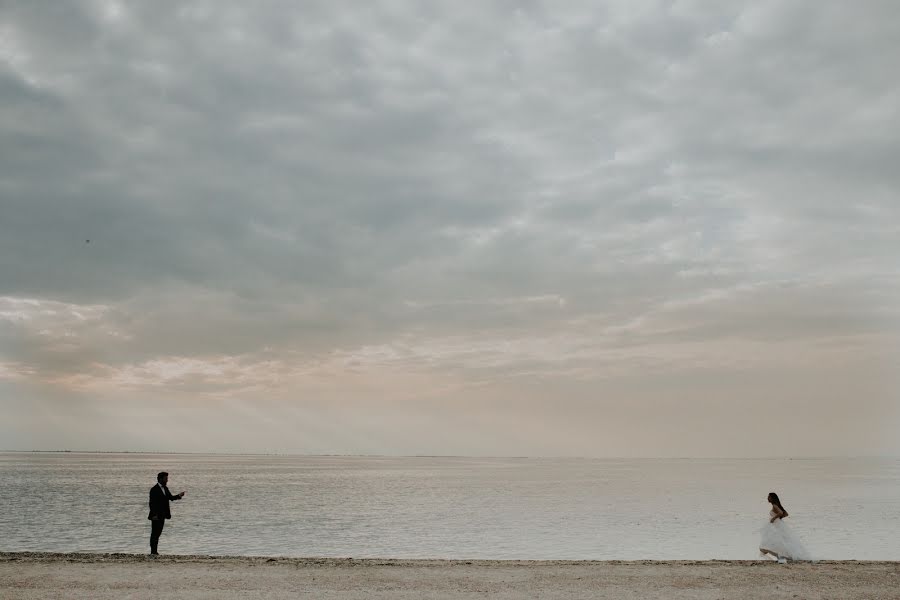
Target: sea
point(448, 507)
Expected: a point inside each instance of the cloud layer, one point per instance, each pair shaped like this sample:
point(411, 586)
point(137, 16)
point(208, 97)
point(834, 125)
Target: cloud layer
point(504, 228)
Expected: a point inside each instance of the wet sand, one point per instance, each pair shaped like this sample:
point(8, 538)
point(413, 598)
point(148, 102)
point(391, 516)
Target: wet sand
point(25, 575)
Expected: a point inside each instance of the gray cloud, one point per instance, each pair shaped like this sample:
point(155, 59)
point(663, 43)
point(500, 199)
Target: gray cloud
point(285, 194)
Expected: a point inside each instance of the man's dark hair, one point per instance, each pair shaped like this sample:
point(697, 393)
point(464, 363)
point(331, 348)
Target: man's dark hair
point(159, 477)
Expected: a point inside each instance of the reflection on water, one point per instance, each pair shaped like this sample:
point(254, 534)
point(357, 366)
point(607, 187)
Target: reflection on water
point(448, 507)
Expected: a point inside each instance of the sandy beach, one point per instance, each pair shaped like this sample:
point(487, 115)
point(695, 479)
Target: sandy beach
point(116, 576)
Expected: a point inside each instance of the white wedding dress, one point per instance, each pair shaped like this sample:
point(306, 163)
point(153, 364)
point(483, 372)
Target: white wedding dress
point(779, 538)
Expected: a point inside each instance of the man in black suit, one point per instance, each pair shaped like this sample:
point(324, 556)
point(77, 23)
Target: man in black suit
point(159, 508)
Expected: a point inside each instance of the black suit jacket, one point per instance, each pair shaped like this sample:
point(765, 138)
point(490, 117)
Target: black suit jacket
point(159, 502)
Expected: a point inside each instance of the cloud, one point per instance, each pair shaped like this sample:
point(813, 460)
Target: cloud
point(279, 195)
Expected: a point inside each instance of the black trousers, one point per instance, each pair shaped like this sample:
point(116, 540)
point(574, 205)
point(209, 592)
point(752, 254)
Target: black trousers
point(156, 527)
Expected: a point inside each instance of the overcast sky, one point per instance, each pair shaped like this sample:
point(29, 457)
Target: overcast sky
point(489, 228)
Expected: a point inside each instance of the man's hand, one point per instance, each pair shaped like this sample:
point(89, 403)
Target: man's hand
point(181, 495)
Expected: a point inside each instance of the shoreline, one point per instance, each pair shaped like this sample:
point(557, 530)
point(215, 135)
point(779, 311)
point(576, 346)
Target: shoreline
point(75, 576)
point(128, 557)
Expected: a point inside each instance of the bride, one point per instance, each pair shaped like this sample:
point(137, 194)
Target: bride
point(777, 538)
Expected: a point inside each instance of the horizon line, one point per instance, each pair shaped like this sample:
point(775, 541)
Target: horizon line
point(510, 456)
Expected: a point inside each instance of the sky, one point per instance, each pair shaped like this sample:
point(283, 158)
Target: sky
point(500, 228)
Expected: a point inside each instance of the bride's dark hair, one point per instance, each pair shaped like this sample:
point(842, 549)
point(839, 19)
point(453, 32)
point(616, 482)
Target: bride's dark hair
point(773, 498)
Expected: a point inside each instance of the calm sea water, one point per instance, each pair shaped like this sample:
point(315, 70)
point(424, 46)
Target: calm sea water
point(448, 507)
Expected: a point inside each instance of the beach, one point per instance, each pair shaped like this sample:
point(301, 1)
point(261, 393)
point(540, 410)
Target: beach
point(73, 576)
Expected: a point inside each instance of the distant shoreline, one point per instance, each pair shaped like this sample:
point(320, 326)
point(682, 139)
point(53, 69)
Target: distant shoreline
point(31, 575)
